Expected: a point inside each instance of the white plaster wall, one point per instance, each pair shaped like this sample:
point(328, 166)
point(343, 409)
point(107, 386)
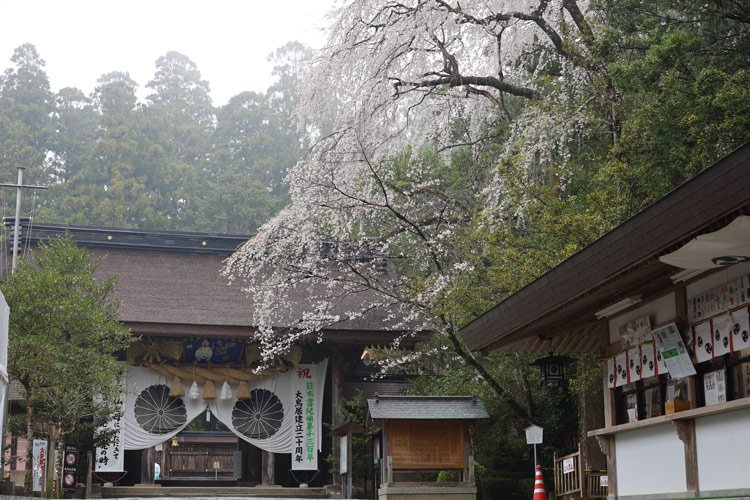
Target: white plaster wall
point(650, 460)
point(660, 311)
point(723, 444)
point(717, 279)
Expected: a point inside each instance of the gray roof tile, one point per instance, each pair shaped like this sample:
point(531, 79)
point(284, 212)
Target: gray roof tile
point(426, 408)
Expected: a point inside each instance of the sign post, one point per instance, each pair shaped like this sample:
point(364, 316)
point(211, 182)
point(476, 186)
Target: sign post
point(534, 436)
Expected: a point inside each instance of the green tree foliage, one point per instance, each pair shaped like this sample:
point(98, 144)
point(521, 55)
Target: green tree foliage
point(26, 108)
point(64, 334)
point(174, 162)
point(682, 68)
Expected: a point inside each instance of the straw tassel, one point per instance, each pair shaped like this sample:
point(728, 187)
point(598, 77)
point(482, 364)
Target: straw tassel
point(176, 390)
point(243, 390)
point(209, 390)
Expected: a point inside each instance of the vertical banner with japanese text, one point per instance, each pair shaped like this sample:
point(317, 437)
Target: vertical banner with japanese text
point(308, 382)
point(39, 454)
point(111, 458)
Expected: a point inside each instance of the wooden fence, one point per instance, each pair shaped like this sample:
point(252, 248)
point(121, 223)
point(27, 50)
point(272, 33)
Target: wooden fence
point(573, 481)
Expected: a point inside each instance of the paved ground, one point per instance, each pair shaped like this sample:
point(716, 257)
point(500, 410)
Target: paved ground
point(6, 497)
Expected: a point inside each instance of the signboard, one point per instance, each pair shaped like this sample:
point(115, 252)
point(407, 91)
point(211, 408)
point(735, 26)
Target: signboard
point(604, 481)
point(307, 420)
point(715, 387)
point(343, 455)
point(534, 434)
point(40, 462)
point(69, 467)
point(436, 444)
point(673, 351)
point(635, 332)
point(569, 465)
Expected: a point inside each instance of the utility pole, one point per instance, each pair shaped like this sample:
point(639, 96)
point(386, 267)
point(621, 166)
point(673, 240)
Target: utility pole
point(19, 185)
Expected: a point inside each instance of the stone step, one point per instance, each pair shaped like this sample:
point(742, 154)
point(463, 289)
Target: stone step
point(224, 493)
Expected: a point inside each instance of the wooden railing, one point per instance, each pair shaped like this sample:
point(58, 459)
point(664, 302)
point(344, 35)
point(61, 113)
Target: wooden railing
point(594, 488)
point(568, 477)
point(573, 481)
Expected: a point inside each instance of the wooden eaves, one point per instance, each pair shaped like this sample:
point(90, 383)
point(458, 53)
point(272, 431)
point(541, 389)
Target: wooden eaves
point(557, 310)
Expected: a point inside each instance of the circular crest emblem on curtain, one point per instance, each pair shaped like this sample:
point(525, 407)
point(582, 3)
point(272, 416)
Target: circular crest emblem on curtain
point(158, 413)
point(260, 416)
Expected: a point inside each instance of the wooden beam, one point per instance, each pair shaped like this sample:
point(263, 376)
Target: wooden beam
point(337, 405)
point(686, 432)
point(268, 468)
point(611, 467)
point(610, 403)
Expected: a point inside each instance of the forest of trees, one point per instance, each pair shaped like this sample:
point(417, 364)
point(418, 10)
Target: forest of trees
point(173, 162)
point(470, 145)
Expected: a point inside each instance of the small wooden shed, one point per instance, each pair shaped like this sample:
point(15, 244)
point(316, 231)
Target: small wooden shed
point(422, 434)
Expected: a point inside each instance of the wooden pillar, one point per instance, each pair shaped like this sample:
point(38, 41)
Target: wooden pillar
point(337, 404)
point(686, 428)
point(268, 468)
point(386, 464)
point(686, 432)
point(607, 443)
point(147, 466)
point(166, 450)
point(349, 466)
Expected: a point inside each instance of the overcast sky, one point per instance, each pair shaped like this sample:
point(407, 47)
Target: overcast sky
point(229, 40)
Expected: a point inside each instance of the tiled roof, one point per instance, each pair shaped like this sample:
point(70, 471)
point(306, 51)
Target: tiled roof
point(426, 408)
point(174, 279)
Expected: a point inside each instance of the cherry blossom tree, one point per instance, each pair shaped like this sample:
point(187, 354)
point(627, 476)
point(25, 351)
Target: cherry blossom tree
point(428, 97)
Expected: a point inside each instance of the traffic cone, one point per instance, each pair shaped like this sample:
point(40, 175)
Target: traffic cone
point(539, 492)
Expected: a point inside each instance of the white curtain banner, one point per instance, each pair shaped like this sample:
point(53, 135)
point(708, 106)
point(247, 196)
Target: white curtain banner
point(150, 415)
point(266, 419)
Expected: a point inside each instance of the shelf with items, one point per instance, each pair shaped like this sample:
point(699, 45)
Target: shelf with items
point(703, 411)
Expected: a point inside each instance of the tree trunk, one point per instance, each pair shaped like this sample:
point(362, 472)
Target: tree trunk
point(28, 478)
point(467, 356)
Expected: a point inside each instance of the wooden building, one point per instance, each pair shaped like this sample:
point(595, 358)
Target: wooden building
point(170, 289)
point(417, 435)
point(673, 340)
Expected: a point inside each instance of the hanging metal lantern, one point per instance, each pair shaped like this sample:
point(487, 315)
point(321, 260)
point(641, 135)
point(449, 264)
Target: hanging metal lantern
point(552, 368)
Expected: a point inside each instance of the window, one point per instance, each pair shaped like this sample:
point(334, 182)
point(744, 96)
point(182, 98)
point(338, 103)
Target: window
point(735, 370)
point(641, 400)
